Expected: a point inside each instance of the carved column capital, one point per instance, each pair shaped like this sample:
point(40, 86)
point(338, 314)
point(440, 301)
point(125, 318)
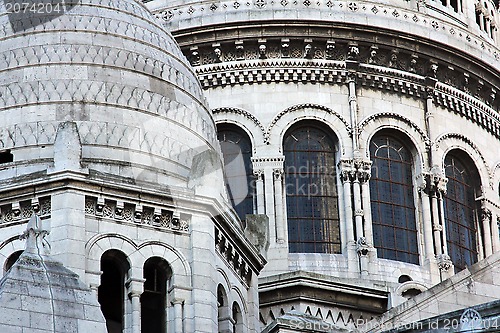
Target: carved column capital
point(258, 174)
point(277, 173)
point(346, 170)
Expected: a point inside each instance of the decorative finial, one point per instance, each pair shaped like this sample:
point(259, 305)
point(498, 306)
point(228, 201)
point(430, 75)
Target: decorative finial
point(35, 236)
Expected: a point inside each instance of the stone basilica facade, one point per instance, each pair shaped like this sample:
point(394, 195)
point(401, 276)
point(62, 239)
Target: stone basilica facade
point(250, 166)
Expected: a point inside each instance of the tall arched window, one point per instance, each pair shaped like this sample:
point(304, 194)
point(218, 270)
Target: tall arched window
point(392, 200)
point(237, 152)
point(153, 300)
point(460, 209)
point(311, 189)
point(114, 267)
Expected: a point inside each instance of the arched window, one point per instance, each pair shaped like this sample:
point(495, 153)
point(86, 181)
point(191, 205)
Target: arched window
point(157, 273)
point(460, 209)
point(114, 267)
point(392, 200)
point(237, 152)
point(237, 318)
point(11, 260)
point(223, 317)
point(311, 189)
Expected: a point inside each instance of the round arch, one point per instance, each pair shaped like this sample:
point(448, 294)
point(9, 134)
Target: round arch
point(373, 124)
point(138, 254)
point(290, 116)
point(450, 141)
point(8, 247)
point(244, 120)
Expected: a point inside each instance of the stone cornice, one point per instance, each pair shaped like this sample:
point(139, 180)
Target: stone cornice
point(407, 20)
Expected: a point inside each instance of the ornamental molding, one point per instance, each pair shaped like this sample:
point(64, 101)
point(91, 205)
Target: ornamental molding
point(456, 30)
point(21, 211)
point(244, 113)
point(233, 258)
point(473, 146)
point(304, 107)
point(392, 115)
point(273, 162)
point(137, 213)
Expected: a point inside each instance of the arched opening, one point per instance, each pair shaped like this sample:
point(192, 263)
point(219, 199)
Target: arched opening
point(157, 273)
point(461, 208)
point(237, 316)
point(6, 157)
point(11, 260)
point(237, 152)
point(111, 292)
point(392, 198)
point(223, 317)
point(311, 189)
point(404, 278)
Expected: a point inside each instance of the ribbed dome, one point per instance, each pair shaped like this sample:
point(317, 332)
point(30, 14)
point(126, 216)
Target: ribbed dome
point(109, 67)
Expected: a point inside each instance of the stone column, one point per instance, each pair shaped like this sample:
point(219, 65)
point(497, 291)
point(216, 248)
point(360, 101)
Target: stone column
point(365, 189)
point(495, 221)
point(135, 288)
point(436, 225)
point(178, 304)
point(267, 165)
point(426, 215)
point(278, 200)
point(486, 220)
point(270, 205)
point(346, 175)
point(259, 184)
point(358, 211)
point(136, 312)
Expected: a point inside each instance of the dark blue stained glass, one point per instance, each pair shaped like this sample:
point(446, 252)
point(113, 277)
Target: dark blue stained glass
point(459, 208)
point(392, 200)
point(311, 190)
point(237, 152)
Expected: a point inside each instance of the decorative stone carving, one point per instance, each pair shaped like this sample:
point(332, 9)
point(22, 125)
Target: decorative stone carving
point(373, 55)
point(34, 235)
point(285, 48)
point(135, 212)
point(444, 262)
point(330, 50)
point(21, 211)
point(353, 53)
point(233, 257)
point(362, 246)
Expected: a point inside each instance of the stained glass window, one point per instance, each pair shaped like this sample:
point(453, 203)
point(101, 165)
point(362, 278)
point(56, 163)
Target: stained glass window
point(460, 209)
point(311, 190)
point(237, 152)
point(392, 200)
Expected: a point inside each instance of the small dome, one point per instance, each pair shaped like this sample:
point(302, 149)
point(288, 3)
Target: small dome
point(111, 69)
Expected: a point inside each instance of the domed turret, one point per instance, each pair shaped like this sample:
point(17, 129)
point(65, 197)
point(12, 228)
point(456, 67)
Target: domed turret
point(110, 68)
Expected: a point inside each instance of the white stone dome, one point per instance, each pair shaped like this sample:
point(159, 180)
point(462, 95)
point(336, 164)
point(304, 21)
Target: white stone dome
point(111, 69)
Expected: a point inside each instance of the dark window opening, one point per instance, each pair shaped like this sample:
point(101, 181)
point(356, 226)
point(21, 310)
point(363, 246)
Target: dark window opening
point(157, 273)
point(12, 259)
point(404, 278)
point(412, 292)
point(392, 200)
point(460, 208)
point(311, 189)
point(6, 157)
point(237, 152)
point(114, 267)
point(223, 314)
point(454, 5)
